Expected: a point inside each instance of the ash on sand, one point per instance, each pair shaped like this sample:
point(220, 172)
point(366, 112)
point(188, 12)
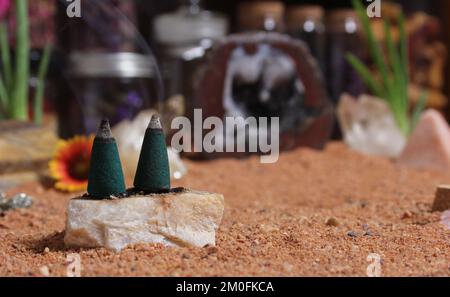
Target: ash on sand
point(274, 223)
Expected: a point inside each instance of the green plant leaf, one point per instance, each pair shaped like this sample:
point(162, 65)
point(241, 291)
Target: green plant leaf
point(392, 69)
point(3, 98)
point(374, 47)
point(5, 56)
point(420, 106)
point(39, 94)
point(403, 46)
point(19, 99)
point(400, 98)
point(366, 75)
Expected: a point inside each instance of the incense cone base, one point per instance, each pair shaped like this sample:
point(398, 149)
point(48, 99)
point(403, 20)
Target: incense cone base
point(187, 218)
point(442, 198)
point(153, 173)
point(105, 172)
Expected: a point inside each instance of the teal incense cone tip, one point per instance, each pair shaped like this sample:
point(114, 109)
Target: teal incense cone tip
point(153, 174)
point(105, 172)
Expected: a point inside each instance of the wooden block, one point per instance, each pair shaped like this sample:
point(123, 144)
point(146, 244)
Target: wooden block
point(442, 198)
point(25, 147)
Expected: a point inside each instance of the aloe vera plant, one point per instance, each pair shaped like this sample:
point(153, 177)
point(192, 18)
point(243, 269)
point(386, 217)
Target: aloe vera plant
point(14, 82)
point(393, 71)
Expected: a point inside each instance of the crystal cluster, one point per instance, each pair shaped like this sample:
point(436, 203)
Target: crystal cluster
point(368, 126)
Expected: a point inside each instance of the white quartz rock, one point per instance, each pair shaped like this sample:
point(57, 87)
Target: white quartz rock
point(129, 135)
point(368, 126)
point(186, 218)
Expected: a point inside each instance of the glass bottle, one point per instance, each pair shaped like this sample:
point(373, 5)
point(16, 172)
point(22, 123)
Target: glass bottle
point(109, 73)
point(116, 86)
point(183, 38)
point(306, 22)
point(105, 26)
point(345, 35)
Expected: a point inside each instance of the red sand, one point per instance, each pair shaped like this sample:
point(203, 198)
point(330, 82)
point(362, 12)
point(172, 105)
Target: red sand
point(274, 223)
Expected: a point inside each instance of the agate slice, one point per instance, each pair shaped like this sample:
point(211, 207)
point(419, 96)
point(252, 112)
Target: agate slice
point(266, 75)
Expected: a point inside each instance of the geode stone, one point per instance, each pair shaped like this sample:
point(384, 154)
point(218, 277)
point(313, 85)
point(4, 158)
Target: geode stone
point(267, 75)
point(178, 218)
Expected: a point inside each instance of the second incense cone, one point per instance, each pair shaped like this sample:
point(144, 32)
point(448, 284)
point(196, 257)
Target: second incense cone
point(105, 172)
point(153, 174)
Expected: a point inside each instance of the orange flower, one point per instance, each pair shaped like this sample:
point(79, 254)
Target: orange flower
point(70, 165)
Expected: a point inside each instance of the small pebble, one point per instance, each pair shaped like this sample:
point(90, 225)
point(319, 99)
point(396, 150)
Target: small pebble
point(332, 221)
point(46, 250)
point(407, 214)
point(185, 256)
point(255, 242)
point(363, 203)
point(44, 271)
point(269, 229)
point(3, 202)
point(288, 267)
point(211, 250)
point(21, 200)
point(368, 233)
point(304, 220)
point(352, 234)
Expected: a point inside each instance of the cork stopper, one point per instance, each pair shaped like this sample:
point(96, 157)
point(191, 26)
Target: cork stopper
point(256, 15)
point(341, 15)
point(296, 14)
point(343, 20)
point(262, 8)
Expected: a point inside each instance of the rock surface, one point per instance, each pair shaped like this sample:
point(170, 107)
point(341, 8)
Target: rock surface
point(368, 126)
point(429, 145)
point(442, 198)
point(186, 218)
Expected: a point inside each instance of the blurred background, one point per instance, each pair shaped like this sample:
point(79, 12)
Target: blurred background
point(169, 29)
point(123, 58)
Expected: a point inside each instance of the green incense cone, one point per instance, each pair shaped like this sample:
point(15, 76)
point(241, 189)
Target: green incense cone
point(152, 173)
point(105, 172)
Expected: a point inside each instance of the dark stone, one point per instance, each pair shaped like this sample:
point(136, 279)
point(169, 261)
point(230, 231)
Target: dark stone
point(352, 234)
